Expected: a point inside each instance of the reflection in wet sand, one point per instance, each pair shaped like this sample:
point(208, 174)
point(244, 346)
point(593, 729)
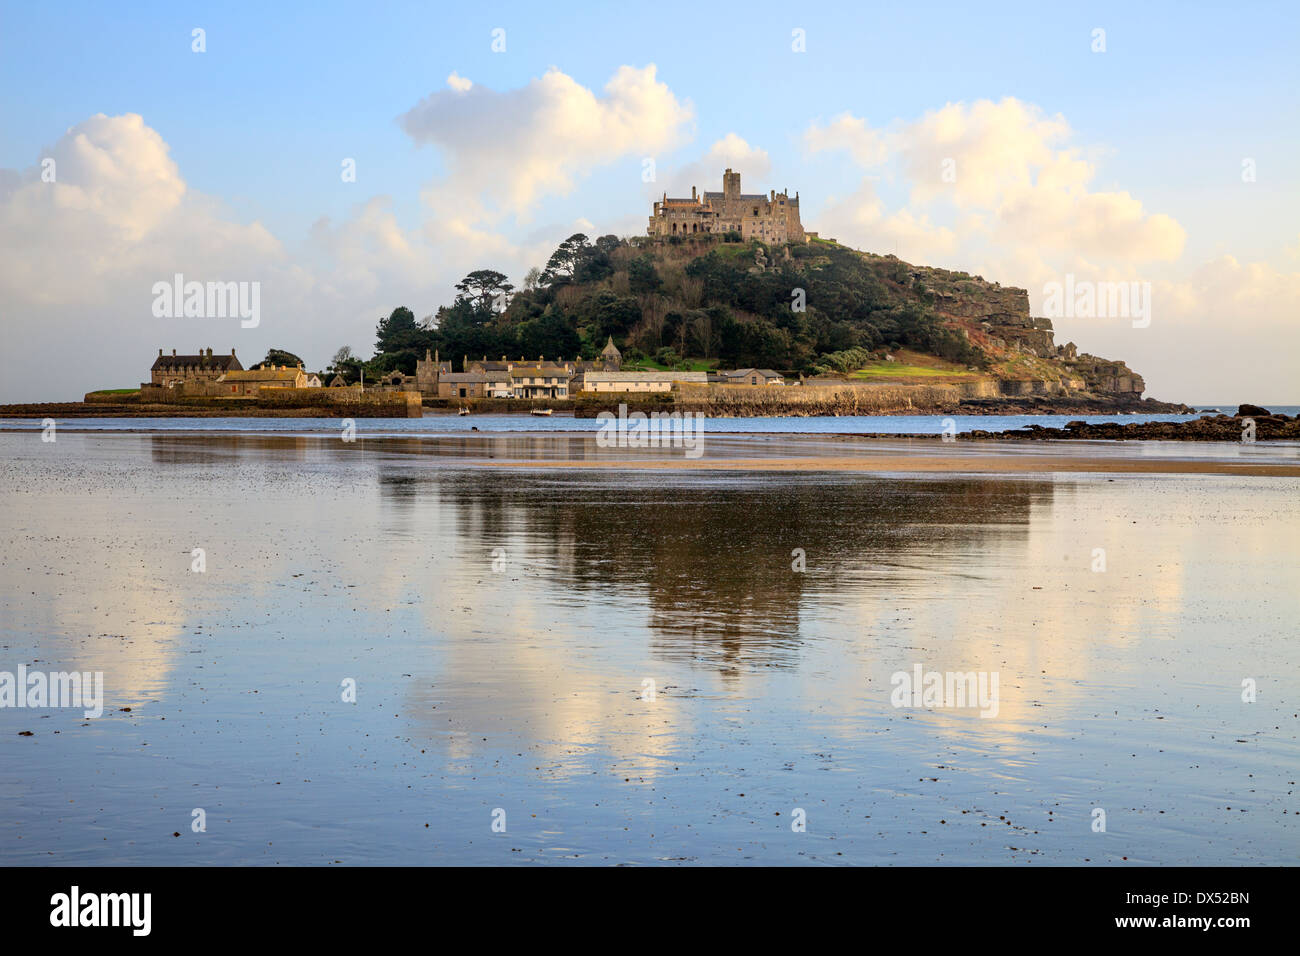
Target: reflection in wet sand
point(502, 625)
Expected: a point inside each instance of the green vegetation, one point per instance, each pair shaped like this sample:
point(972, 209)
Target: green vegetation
point(278, 357)
point(665, 302)
point(899, 370)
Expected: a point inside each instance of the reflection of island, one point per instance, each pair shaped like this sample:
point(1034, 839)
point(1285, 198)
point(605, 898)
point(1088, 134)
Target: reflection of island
point(713, 556)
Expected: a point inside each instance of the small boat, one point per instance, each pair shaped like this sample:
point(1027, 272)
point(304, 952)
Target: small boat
point(540, 411)
point(463, 411)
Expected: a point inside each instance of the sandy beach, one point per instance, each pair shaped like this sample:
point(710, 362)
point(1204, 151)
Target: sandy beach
point(503, 604)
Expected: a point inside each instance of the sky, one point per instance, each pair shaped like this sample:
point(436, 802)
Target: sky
point(1030, 144)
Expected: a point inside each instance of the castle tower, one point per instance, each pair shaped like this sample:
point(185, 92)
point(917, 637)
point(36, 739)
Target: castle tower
point(730, 186)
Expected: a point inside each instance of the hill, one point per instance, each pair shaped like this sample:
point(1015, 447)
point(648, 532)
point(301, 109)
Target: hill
point(816, 309)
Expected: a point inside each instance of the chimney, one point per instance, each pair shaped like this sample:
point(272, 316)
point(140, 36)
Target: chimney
point(173, 353)
point(232, 353)
point(693, 194)
point(160, 353)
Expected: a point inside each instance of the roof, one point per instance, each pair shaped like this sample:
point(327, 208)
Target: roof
point(742, 372)
point(611, 350)
point(669, 376)
point(265, 375)
point(539, 371)
point(208, 361)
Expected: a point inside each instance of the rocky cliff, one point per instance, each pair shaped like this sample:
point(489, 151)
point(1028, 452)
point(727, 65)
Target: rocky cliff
point(1022, 350)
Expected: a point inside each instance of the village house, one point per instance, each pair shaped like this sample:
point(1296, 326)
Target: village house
point(751, 376)
point(474, 385)
point(492, 378)
point(247, 384)
point(171, 370)
point(638, 381)
point(540, 381)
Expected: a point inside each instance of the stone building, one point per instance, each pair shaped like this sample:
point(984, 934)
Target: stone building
point(169, 370)
point(247, 384)
point(540, 380)
point(638, 381)
point(427, 372)
point(770, 218)
point(751, 376)
point(611, 359)
point(494, 384)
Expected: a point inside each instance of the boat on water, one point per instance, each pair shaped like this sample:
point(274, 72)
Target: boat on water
point(540, 411)
point(463, 411)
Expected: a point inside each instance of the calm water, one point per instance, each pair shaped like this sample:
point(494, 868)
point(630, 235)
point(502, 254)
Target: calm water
point(441, 423)
point(522, 689)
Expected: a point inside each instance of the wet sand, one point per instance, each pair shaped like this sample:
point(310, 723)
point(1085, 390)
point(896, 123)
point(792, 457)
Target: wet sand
point(501, 625)
point(953, 464)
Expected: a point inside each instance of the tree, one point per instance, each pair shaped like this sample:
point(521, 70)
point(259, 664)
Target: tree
point(279, 357)
point(642, 276)
point(398, 332)
point(341, 358)
point(482, 287)
point(565, 260)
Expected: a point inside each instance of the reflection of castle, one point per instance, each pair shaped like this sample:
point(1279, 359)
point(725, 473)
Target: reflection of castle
point(718, 582)
point(770, 218)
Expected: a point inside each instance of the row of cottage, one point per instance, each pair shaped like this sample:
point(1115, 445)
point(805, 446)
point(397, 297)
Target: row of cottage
point(560, 379)
point(219, 375)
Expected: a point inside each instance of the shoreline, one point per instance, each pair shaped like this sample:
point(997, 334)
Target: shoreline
point(588, 407)
point(974, 465)
point(755, 452)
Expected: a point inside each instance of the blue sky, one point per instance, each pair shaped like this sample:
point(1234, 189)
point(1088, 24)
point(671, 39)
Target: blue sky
point(259, 123)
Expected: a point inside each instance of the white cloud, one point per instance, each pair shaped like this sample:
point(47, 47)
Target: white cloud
point(847, 132)
point(730, 152)
point(79, 256)
point(1008, 166)
point(513, 147)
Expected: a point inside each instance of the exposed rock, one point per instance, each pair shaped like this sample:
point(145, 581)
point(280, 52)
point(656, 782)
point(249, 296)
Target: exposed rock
point(1207, 428)
point(1252, 411)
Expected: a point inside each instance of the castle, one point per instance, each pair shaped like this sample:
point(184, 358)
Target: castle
point(770, 218)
